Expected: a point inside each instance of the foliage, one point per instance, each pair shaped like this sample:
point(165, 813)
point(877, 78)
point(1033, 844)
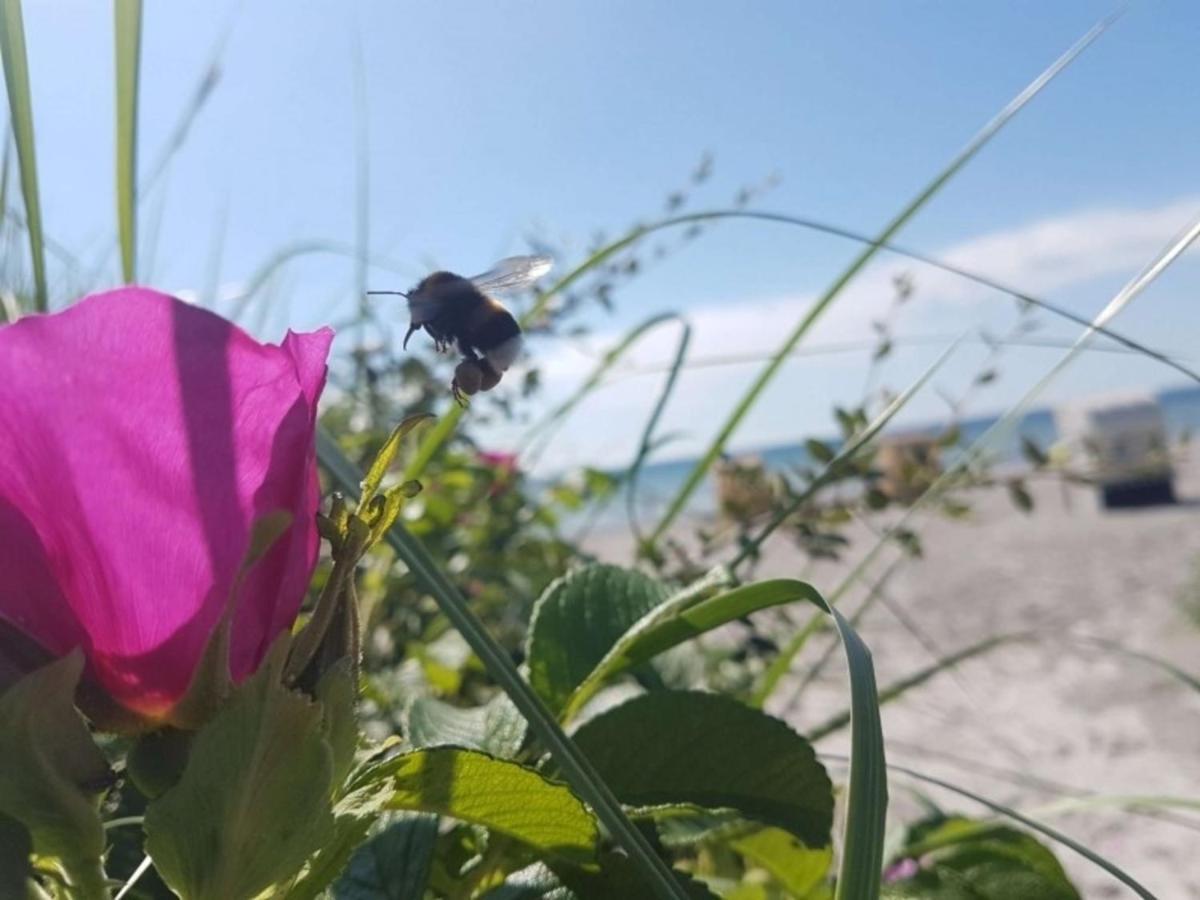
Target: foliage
point(388, 749)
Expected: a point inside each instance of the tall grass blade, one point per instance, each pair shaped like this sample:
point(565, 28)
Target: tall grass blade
point(20, 106)
point(362, 180)
point(579, 771)
point(1004, 425)
point(259, 279)
point(903, 685)
point(541, 431)
point(646, 444)
point(867, 795)
point(1045, 830)
point(434, 439)
point(834, 291)
point(127, 27)
point(850, 450)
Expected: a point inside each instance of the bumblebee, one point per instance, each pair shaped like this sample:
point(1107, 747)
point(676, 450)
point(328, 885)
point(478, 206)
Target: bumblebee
point(460, 312)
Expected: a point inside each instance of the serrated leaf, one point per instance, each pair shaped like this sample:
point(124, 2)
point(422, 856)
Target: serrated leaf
point(997, 863)
point(618, 877)
point(392, 865)
point(535, 882)
point(577, 620)
point(800, 869)
point(671, 747)
point(679, 619)
point(505, 796)
point(254, 801)
point(52, 769)
point(497, 727)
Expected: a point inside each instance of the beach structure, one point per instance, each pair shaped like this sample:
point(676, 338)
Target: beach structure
point(1119, 443)
point(744, 488)
point(908, 464)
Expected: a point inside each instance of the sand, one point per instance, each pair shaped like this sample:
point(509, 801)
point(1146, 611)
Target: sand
point(1030, 724)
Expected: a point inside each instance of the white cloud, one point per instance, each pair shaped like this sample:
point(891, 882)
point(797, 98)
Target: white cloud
point(1041, 258)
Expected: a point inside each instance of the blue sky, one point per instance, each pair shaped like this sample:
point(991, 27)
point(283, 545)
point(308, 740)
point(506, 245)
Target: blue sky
point(491, 121)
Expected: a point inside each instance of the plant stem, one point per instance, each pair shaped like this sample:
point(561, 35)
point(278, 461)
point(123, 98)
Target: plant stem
point(580, 773)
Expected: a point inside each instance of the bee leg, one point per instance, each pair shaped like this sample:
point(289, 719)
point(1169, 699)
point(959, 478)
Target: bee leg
point(459, 397)
point(408, 334)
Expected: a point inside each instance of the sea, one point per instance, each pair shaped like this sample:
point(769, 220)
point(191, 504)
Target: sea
point(659, 482)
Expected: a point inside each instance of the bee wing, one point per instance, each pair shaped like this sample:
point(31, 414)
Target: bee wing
point(513, 273)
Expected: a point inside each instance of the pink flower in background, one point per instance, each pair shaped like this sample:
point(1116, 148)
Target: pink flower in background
point(498, 459)
point(141, 438)
point(901, 871)
point(505, 465)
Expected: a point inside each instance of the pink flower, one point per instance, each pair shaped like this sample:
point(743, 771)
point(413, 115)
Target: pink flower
point(141, 438)
point(901, 871)
point(498, 459)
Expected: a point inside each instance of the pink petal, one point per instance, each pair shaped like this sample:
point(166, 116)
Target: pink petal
point(142, 438)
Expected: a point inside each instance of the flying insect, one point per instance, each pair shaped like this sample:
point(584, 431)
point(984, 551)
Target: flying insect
point(460, 312)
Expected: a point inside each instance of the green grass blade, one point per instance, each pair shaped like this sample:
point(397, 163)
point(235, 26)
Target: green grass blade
point(919, 677)
point(1045, 830)
point(241, 304)
point(542, 429)
point(646, 444)
point(867, 796)
point(127, 27)
point(847, 452)
point(1120, 649)
point(580, 773)
point(362, 182)
point(681, 618)
point(834, 291)
point(1004, 425)
point(20, 106)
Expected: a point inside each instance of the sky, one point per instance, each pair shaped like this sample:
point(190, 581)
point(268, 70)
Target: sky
point(487, 123)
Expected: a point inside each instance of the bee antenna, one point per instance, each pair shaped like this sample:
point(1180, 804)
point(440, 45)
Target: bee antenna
point(392, 293)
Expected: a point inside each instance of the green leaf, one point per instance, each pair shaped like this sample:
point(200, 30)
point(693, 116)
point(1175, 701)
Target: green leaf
point(496, 727)
point(1033, 454)
point(617, 877)
point(579, 772)
point(384, 458)
point(352, 822)
point(671, 747)
point(254, 801)
point(867, 795)
point(1054, 835)
point(800, 869)
point(338, 696)
point(535, 882)
point(392, 865)
point(819, 450)
point(998, 863)
point(577, 620)
point(20, 105)
point(52, 771)
point(1020, 495)
point(16, 846)
point(504, 796)
point(127, 29)
point(797, 333)
point(681, 618)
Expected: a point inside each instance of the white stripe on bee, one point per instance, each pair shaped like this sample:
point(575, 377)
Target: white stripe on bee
point(505, 353)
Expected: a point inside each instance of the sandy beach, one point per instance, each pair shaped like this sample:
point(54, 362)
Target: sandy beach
point(1032, 724)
